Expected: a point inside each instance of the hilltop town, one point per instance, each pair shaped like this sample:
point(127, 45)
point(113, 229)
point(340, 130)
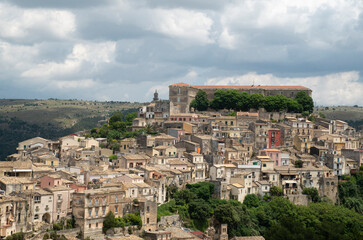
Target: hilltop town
point(211, 162)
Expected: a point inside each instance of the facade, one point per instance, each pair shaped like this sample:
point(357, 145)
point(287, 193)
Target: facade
point(61, 202)
point(91, 206)
point(181, 94)
point(274, 138)
point(13, 216)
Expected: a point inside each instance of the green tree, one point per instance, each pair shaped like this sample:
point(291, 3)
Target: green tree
point(243, 101)
point(275, 103)
point(313, 194)
point(305, 101)
point(252, 200)
point(293, 106)
point(203, 190)
point(276, 191)
point(184, 197)
point(109, 222)
point(116, 117)
point(130, 117)
point(257, 100)
point(201, 102)
point(354, 203)
point(219, 100)
point(199, 209)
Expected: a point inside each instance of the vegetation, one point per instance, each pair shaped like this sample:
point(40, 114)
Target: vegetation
point(312, 193)
point(276, 191)
point(16, 236)
point(242, 101)
point(19, 119)
point(276, 218)
point(351, 192)
point(119, 127)
point(201, 102)
point(128, 220)
point(298, 164)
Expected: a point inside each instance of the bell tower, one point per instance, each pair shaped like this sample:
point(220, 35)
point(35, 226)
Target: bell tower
point(156, 96)
point(223, 234)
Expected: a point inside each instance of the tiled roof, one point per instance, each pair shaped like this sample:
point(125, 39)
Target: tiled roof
point(240, 86)
point(180, 84)
point(249, 87)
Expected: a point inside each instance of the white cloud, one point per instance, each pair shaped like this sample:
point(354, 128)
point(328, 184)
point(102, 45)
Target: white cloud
point(319, 24)
point(94, 53)
point(191, 74)
point(126, 49)
point(332, 89)
point(30, 24)
point(183, 24)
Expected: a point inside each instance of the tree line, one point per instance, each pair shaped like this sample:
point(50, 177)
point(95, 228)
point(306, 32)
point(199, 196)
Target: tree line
point(242, 101)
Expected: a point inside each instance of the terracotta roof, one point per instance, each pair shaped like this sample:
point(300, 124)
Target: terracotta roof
point(249, 87)
point(180, 84)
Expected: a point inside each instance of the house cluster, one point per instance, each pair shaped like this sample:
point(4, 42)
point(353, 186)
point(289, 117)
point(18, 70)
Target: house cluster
point(48, 181)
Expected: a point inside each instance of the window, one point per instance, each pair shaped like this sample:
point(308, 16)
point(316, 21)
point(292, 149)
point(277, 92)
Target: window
point(264, 165)
point(147, 220)
point(90, 212)
point(89, 225)
point(147, 209)
point(116, 199)
point(103, 211)
point(37, 199)
point(36, 216)
point(97, 212)
point(96, 225)
point(116, 209)
point(178, 90)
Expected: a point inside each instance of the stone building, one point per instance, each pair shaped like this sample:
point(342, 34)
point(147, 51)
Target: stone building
point(181, 94)
point(13, 217)
point(91, 206)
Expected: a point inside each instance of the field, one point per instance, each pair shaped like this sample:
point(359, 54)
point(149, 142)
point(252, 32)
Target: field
point(22, 119)
point(341, 112)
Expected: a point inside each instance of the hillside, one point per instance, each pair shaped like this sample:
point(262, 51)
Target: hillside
point(352, 115)
point(23, 119)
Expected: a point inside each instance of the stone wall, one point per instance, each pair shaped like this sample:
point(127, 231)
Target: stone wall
point(299, 199)
point(169, 221)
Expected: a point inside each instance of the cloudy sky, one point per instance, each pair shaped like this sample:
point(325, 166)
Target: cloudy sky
point(124, 50)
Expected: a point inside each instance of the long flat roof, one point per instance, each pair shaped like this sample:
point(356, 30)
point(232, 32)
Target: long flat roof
point(241, 86)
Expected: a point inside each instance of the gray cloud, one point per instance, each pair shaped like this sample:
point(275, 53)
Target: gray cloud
point(123, 50)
